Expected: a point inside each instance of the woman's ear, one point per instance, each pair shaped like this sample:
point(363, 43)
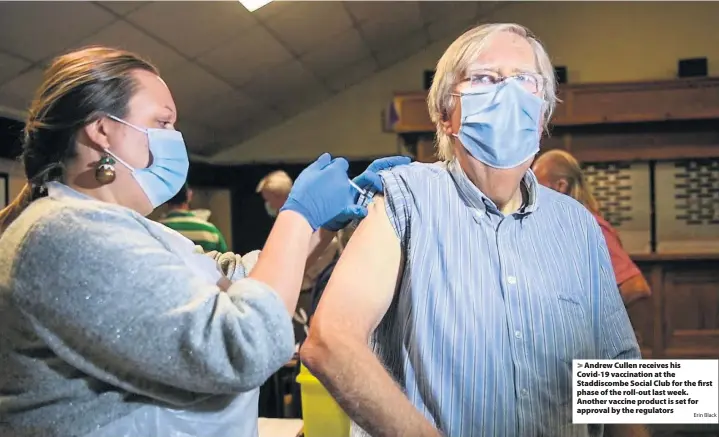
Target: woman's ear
point(98, 133)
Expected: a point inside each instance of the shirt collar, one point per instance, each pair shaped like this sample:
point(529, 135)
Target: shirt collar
point(58, 190)
point(478, 200)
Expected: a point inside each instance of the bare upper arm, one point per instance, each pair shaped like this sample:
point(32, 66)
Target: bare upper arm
point(365, 278)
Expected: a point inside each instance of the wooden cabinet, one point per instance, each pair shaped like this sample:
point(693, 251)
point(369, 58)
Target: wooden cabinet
point(681, 318)
point(635, 102)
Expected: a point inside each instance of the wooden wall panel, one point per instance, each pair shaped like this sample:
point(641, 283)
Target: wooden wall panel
point(587, 104)
point(681, 319)
point(682, 99)
point(639, 141)
point(691, 310)
point(642, 316)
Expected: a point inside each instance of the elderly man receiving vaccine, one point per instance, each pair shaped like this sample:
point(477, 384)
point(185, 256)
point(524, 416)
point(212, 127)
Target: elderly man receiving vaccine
point(473, 318)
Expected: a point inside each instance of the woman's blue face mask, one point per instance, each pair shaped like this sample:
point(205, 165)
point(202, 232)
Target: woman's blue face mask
point(170, 163)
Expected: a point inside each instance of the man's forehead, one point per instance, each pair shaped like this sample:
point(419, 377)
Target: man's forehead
point(497, 67)
point(505, 52)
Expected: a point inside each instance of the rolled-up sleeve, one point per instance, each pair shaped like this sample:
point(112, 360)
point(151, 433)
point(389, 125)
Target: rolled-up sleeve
point(112, 301)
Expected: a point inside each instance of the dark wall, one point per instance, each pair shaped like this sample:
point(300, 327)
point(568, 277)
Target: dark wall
point(250, 223)
point(10, 138)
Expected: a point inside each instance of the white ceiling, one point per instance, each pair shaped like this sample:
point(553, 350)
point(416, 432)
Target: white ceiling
point(233, 73)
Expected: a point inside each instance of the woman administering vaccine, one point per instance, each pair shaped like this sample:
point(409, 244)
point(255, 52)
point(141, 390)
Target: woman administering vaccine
point(111, 324)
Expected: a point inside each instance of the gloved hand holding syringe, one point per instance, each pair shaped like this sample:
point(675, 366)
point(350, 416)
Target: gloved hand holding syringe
point(357, 187)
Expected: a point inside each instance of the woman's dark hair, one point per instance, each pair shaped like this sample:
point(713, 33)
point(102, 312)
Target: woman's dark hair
point(78, 88)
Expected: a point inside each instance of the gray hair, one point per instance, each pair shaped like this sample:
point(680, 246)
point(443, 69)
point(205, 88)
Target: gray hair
point(454, 64)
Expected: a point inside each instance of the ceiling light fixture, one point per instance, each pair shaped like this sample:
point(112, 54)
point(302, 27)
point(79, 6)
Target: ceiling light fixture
point(253, 5)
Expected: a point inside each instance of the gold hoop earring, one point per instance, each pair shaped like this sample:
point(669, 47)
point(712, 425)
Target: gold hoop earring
point(105, 170)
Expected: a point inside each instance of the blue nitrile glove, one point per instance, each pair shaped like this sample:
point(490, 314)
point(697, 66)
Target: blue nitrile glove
point(344, 218)
point(368, 180)
point(321, 192)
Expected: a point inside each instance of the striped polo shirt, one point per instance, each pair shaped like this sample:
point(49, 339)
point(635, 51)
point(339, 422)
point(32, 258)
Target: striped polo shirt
point(199, 231)
point(491, 309)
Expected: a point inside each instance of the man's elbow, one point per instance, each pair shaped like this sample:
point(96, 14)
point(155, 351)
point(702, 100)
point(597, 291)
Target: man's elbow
point(319, 349)
point(315, 351)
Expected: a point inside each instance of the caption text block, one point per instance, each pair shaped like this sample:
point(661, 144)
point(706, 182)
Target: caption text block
point(645, 391)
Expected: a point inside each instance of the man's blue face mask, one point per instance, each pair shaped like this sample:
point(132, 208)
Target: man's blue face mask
point(500, 124)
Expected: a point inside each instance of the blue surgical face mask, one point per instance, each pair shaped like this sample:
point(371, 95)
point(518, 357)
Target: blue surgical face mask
point(166, 175)
point(272, 212)
point(500, 124)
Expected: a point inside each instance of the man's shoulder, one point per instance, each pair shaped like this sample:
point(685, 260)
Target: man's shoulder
point(416, 170)
point(413, 178)
point(552, 202)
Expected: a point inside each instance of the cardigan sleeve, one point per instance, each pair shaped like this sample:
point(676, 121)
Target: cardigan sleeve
point(112, 301)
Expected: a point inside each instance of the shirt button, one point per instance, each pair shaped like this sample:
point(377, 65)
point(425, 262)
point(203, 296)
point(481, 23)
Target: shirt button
point(512, 280)
point(517, 334)
point(524, 392)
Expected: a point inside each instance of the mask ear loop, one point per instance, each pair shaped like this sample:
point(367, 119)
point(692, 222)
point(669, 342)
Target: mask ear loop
point(127, 123)
point(139, 129)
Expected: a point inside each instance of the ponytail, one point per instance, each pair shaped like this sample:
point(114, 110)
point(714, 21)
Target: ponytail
point(16, 207)
point(30, 192)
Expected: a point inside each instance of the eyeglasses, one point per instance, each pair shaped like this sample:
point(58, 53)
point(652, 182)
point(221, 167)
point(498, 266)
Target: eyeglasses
point(532, 82)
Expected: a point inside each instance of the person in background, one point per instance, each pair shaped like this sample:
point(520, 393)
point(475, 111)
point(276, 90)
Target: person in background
point(449, 313)
point(195, 228)
point(274, 189)
point(561, 172)
point(113, 325)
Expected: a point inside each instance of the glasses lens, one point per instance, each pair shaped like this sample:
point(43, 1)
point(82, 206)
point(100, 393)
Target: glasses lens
point(529, 82)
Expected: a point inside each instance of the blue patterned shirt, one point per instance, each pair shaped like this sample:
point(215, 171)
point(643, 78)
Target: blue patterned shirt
point(491, 309)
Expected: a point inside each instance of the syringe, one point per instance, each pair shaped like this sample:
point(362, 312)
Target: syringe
point(356, 187)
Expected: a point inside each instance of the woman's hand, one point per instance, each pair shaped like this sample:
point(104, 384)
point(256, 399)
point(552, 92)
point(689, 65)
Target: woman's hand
point(369, 180)
point(321, 191)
